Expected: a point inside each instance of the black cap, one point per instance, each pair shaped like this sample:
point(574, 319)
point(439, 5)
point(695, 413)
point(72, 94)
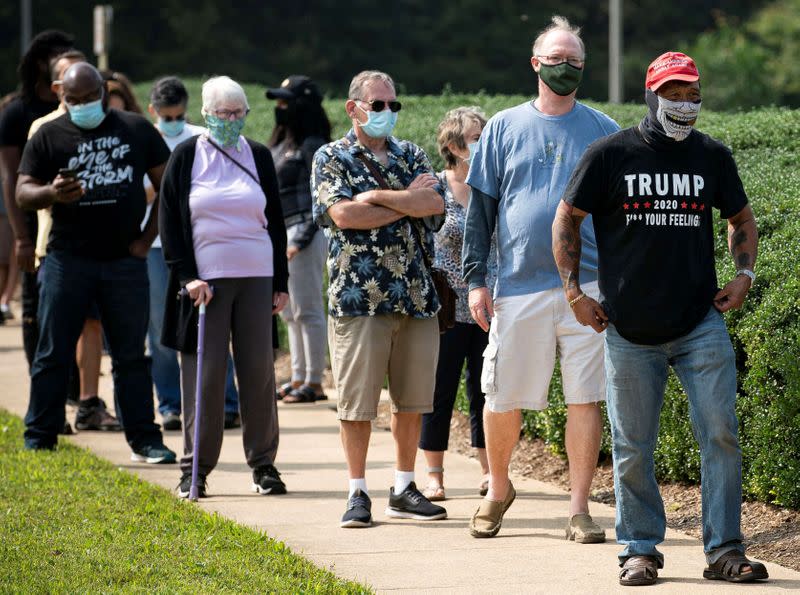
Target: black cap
point(294, 87)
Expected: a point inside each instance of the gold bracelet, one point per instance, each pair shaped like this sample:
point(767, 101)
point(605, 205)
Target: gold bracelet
point(576, 300)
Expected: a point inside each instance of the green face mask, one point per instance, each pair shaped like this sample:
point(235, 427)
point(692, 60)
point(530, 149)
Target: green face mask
point(562, 78)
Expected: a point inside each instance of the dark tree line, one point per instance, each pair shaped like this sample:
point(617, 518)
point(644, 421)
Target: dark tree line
point(466, 46)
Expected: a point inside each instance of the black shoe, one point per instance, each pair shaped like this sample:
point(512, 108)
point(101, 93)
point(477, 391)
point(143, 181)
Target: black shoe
point(92, 415)
point(66, 430)
point(267, 480)
point(171, 421)
point(411, 504)
point(185, 485)
point(232, 420)
point(358, 513)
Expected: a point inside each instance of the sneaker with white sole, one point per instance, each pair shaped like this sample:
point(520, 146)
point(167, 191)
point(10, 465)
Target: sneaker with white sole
point(359, 511)
point(154, 454)
point(185, 485)
point(267, 481)
point(412, 504)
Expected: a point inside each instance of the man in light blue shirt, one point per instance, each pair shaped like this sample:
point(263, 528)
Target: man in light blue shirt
point(521, 167)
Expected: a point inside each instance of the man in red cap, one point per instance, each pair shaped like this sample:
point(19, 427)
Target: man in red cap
point(650, 190)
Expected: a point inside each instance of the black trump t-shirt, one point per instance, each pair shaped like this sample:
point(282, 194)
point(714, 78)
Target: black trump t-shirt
point(110, 161)
point(651, 202)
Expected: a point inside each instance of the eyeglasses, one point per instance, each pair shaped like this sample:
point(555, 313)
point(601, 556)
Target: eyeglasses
point(226, 114)
point(179, 117)
point(379, 105)
point(556, 60)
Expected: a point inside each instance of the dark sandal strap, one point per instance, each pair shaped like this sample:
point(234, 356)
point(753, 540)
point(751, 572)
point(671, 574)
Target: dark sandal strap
point(732, 563)
point(636, 563)
point(304, 394)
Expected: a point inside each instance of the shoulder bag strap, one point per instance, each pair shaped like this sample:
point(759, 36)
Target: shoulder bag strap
point(239, 165)
point(384, 186)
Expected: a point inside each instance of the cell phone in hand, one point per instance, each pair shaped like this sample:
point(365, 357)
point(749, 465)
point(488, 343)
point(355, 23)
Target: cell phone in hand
point(67, 172)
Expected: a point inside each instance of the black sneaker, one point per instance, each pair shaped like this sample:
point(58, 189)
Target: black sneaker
point(153, 454)
point(171, 422)
point(185, 485)
point(93, 416)
point(66, 430)
point(267, 480)
point(358, 513)
point(411, 504)
point(232, 420)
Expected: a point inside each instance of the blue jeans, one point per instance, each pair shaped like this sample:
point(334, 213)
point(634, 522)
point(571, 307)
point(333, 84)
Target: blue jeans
point(166, 370)
point(636, 376)
point(120, 289)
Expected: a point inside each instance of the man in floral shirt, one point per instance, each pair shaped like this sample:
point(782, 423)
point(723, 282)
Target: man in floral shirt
point(382, 301)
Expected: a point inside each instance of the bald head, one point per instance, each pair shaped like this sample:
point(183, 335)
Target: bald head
point(82, 83)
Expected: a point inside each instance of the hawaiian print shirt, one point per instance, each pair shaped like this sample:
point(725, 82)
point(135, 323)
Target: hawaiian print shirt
point(449, 241)
point(380, 270)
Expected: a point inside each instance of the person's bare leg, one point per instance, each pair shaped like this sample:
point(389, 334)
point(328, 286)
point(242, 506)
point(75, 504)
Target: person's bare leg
point(406, 428)
point(12, 280)
point(89, 353)
point(434, 459)
point(502, 434)
point(355, 441)
point(582, 439)
point(4, 278)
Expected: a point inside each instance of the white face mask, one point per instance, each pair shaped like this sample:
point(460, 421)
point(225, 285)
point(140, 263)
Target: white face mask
point(677, 117)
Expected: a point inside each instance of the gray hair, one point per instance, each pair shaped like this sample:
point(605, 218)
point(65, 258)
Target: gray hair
point(222, 89)
point(367, 76)
point(452, 128)
point(557, 23)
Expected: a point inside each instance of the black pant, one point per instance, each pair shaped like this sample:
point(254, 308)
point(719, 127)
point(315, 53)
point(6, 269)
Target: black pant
point(462, 342)
point(30, 299)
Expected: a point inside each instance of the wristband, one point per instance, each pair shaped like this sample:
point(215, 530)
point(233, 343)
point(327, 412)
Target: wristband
point(574, 301)
point(748, 273)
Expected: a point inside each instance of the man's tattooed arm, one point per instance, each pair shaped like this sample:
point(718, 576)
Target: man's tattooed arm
point(743, 238)
point(567, 247)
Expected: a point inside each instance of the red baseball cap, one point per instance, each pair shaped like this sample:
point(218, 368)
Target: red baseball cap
point(670, 66)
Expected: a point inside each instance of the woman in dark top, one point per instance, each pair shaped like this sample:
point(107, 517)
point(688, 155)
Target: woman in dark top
point(301, 128)
point(224, 242)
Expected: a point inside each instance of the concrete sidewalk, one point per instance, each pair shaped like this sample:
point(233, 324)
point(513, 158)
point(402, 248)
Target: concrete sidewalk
point(530, 555)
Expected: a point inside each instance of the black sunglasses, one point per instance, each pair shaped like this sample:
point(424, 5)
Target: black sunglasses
point(379, 105)
point(173, 118)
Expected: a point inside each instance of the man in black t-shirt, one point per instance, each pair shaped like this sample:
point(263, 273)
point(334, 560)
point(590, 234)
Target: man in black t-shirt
point(88, 165)
point(650, 190)
point(35, 100)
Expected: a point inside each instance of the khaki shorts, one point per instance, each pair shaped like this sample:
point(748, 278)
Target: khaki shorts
point(526, 334)
point(365, 349)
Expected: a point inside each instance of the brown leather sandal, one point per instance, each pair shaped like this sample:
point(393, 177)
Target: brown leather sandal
point(730, 567)
point(639, 570)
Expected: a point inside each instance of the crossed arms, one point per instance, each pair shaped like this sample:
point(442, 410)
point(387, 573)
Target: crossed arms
point(376, 208)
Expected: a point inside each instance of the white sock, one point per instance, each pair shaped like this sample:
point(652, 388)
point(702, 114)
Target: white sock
point(401, 480)
point(358, 484)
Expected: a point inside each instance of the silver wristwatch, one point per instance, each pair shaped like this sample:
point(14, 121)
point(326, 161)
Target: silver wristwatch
point(747, 272)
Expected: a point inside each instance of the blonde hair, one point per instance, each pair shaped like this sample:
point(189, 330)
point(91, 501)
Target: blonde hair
point(366, 76)
point(222, 89)
point(557, 23)
point(452, 129)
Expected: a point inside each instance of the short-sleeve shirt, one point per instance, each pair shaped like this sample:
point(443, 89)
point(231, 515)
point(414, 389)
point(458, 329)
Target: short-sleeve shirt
point(651, 206)
point(17, 117)
point(380, 270)
point(524, 159)
point(449, 241)
point(110, 162)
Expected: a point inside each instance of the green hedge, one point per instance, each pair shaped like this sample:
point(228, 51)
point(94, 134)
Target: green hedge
point(765, 333)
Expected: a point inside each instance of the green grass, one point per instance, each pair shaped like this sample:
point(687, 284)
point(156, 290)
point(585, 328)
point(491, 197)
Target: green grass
point(71, 522)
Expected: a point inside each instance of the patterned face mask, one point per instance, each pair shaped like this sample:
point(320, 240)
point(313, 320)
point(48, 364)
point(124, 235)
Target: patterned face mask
point(676, 117)
point(225, 132)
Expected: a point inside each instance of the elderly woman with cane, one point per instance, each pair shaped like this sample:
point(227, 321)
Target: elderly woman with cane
point(224, 242)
